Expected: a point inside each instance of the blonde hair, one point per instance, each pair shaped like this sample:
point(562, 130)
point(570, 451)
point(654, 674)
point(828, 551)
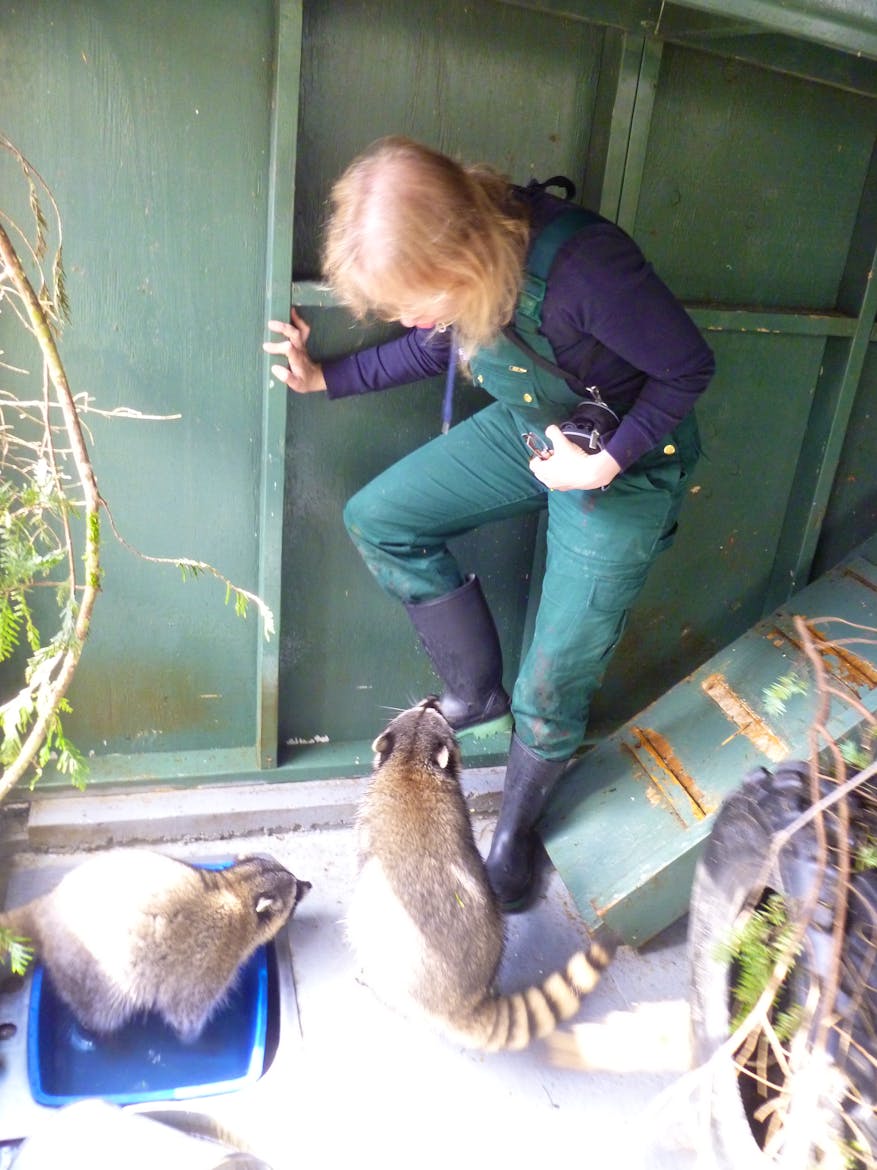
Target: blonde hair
point(411, 232)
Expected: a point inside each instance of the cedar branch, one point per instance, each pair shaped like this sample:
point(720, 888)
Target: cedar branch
point(64, 666)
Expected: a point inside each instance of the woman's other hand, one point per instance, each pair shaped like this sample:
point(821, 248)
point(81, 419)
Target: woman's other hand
point(301, 374)
point(570, 469)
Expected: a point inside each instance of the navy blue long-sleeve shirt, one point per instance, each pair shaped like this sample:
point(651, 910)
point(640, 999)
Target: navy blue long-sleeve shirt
point(610, 320)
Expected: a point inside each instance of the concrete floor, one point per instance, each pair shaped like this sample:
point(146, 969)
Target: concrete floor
point(355, 1084)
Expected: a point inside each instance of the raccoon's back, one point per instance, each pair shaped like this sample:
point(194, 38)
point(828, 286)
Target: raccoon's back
point(418, 836)
point(427, 946)
point(123, 913)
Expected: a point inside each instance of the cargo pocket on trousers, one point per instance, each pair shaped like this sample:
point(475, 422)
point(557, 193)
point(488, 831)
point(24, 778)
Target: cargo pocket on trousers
point(667, 539)
point(612, 598)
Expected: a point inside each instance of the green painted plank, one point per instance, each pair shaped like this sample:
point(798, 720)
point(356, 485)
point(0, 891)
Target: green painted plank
point(850, 512)
point(622, 845)
point(150, 124)
point(626, 73)
point(735, 319)
point(594, 180)
point(632, 15)
point(850, 25)
point(665, 898)
point(318, 761)
point(714, 318)
point(756, 202)
point(640, 132)
point(851, 515)
point(302, 762)
point(157, 769)
point(822, 449)
point(780, 54)
point(730, 318)
point(278, 275)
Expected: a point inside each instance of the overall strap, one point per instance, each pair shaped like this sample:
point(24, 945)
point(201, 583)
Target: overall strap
point(528, 314)
point(545, 363)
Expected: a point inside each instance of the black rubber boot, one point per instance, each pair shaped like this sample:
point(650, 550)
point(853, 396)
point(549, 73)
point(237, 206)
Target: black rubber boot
point(458, 634)
point(528, 781)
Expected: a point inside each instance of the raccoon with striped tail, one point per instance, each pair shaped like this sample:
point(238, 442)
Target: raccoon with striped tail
point(423, 922)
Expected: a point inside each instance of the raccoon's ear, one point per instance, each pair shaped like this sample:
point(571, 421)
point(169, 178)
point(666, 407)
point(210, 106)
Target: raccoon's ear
point(383, 744)
point(265, 905)
point(442, 756)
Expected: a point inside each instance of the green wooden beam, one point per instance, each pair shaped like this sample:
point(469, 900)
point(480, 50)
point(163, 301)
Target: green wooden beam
point(593, 178)
point(317, 761)
point(284, 124)
point(631, 15)
point(736, 319)
point(774, 51)
point(623, 77)
point(820, 454)
point(625, 824)
point(712, 318)
point(640, 128)
point(635, 74)
point(850, 25)
point(834, 396)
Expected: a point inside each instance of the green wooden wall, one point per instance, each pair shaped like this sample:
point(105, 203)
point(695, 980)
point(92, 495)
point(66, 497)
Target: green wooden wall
point(191, 148)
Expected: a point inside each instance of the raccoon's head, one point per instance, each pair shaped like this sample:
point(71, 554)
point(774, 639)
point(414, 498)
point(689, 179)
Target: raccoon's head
point(272, 890)
point(420, 737)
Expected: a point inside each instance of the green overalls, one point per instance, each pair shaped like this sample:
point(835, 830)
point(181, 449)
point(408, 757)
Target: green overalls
point(600, 544)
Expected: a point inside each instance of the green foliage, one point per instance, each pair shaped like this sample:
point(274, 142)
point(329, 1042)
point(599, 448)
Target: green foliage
point(32, 546)
point(757, 946)
point(855, 755)
point(240, 602)
point(866, 855)
point(778, 694)
point(859, 753)
point(29, 550)
point(67, 758)
point(19, 950)
point(855, 1155)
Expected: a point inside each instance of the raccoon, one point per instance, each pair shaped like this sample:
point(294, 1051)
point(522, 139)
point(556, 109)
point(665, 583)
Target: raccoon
point(132, 930)
point(423, 921)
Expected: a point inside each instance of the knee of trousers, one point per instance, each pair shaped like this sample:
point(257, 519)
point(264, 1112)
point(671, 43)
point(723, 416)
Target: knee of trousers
point(365, 520)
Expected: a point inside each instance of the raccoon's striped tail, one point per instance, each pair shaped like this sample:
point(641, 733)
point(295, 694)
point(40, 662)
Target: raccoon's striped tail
point(512, 1022)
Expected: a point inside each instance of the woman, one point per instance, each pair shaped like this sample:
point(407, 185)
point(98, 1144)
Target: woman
point(555, 312)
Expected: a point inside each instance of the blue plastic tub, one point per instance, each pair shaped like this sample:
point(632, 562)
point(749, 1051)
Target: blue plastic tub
point(146, 1060)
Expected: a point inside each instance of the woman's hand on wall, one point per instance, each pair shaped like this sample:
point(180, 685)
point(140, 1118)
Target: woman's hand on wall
point(301, 374)
point(570, 469)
